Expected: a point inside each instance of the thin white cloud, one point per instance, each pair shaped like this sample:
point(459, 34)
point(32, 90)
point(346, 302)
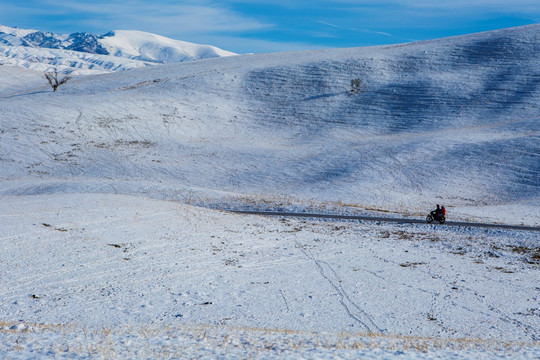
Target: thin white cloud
point(244, 45)
point(439, 4)
point(515, 4)
point(151, 16)
point(354, 29)
point(464, 6)
point(374, 32)
point(329, 24)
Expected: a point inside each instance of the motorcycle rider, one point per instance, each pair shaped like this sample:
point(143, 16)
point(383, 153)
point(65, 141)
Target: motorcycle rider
point(437, 212)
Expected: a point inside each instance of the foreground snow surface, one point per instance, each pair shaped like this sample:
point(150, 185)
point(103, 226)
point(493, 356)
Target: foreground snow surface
point(92, 275)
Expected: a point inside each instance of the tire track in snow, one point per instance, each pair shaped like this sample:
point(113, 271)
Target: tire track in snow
point(102, 267)
point(441, 301)
point(362, 317)
point(493, 311)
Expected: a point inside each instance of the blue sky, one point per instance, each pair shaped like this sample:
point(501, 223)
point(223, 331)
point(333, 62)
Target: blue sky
point(280, 25)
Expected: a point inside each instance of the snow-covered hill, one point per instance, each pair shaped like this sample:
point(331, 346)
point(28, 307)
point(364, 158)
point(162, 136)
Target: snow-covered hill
point(84, 53)
point(143, 46)
point(454, 121)
point(100, 236)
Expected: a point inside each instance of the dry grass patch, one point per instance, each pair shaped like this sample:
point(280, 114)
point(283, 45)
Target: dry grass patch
point(187, 341)
point(532, 255)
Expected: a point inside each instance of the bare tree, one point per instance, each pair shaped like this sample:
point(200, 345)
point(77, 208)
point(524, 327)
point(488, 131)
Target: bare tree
point(355, 85)
point(52, 78)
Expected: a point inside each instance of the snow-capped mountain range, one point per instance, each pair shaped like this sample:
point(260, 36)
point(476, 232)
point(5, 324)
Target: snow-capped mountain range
point(85, 53)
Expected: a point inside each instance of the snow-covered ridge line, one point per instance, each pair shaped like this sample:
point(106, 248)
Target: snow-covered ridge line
point(83, 53)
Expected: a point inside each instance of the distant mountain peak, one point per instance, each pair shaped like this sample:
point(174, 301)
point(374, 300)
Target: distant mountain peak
point(86, 42)
point(114, 51)
point(146, 46)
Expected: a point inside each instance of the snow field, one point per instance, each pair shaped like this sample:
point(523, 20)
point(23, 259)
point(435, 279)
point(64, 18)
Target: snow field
point(123, 264)
point(97, 235)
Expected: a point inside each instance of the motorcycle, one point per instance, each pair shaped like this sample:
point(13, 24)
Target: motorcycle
point(432, 216)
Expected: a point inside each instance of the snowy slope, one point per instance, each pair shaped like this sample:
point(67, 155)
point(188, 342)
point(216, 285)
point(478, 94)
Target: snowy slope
point(12, 36)
point(453, 121)
point(96, 275)
point(154, 48)
point(103, 253)
point(84, 53)
point(65, 61)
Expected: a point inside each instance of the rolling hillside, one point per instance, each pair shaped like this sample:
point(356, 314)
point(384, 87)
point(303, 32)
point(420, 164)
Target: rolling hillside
point(454, 121)
point(112, 246)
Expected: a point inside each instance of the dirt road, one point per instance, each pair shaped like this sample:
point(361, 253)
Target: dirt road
point(388, 219)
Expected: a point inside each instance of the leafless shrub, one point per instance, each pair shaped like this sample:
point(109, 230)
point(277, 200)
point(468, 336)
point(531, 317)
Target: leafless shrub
point(52, 78)
point(356, 85)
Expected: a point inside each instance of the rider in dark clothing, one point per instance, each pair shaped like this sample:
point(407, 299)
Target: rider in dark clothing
point(437, 213)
